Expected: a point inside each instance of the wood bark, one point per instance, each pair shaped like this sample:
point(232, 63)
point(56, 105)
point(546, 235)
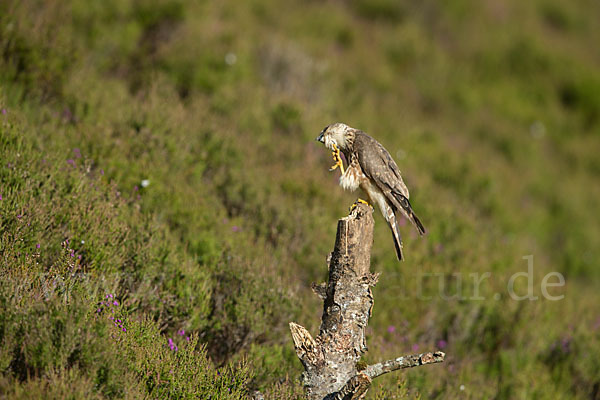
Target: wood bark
point(330, 360)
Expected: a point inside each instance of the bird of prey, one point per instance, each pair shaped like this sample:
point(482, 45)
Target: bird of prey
point(371, 168)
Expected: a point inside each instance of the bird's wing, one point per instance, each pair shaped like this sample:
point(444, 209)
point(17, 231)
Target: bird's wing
point(378, 165)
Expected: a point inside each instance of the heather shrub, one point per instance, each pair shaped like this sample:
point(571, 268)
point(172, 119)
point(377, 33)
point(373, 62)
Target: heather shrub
point(163, 152)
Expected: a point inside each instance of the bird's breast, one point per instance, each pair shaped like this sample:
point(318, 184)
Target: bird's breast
point(352, 178)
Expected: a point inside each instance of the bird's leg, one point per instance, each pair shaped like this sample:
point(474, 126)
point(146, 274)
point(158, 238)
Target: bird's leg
point(337, 158)
point(353, 206)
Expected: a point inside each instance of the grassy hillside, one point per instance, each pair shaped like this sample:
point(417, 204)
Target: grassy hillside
point(164, 207)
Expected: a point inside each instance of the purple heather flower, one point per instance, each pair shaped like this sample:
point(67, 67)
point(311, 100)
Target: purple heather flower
point(4, 111)
point(99, 310)
point(101, 171)
point(236, 228)
point(79, 256)
point(391, 329)
point(124, 330)
point(72, 254)
point(187, 338)
point(136, 188)
point(112, 318)
point(37, 246)
point(71, 161)
point(0, 197)
point(19, 216)
point(77, 152)
point(119, 321)
point(181, 332)
point(415, 347)
point(442, 343)
point(565, 342)
point(115, 303)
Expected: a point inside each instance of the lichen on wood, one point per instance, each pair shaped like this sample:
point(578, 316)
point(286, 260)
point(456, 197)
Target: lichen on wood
point(330, 360)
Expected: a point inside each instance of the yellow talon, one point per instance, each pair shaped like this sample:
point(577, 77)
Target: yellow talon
point(338, 159)
point(355, 204)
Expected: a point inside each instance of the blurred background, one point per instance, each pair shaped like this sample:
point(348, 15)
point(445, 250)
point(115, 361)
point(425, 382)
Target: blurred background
point(164, 206)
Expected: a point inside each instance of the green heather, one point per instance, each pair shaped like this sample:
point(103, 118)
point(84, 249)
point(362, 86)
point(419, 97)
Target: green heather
point(165, 207)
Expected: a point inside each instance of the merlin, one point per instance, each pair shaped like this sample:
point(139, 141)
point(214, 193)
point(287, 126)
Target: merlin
point(371, 168)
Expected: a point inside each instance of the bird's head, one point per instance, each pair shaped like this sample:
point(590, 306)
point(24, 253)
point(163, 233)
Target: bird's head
point(338, 134)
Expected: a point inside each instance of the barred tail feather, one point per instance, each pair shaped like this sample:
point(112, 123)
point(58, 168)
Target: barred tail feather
point(397, 238)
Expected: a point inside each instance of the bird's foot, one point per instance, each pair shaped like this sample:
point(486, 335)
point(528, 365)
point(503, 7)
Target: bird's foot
point(357, 202)
point(337, 159)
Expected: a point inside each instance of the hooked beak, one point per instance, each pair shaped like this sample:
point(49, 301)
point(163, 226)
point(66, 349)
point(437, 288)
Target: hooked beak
point(320, 138)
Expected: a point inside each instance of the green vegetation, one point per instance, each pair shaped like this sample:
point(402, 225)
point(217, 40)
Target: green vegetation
point(162, 153)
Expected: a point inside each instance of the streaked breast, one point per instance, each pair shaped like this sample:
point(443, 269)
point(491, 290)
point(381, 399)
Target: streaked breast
point(351, 178)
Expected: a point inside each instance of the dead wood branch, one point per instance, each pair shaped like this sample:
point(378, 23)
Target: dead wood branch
point(330, 359)
point(373, 371)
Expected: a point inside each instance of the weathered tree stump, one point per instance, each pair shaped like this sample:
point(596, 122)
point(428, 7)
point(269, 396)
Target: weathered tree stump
point(330, 360)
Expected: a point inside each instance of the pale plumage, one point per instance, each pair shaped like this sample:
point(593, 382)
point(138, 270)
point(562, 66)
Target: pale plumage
point(371, 168)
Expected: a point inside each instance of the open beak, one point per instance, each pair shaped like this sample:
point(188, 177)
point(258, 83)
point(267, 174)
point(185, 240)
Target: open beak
point(320, 138)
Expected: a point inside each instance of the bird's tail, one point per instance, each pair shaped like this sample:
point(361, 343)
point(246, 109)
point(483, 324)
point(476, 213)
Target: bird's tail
point(408, 212)
point(397, 238)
